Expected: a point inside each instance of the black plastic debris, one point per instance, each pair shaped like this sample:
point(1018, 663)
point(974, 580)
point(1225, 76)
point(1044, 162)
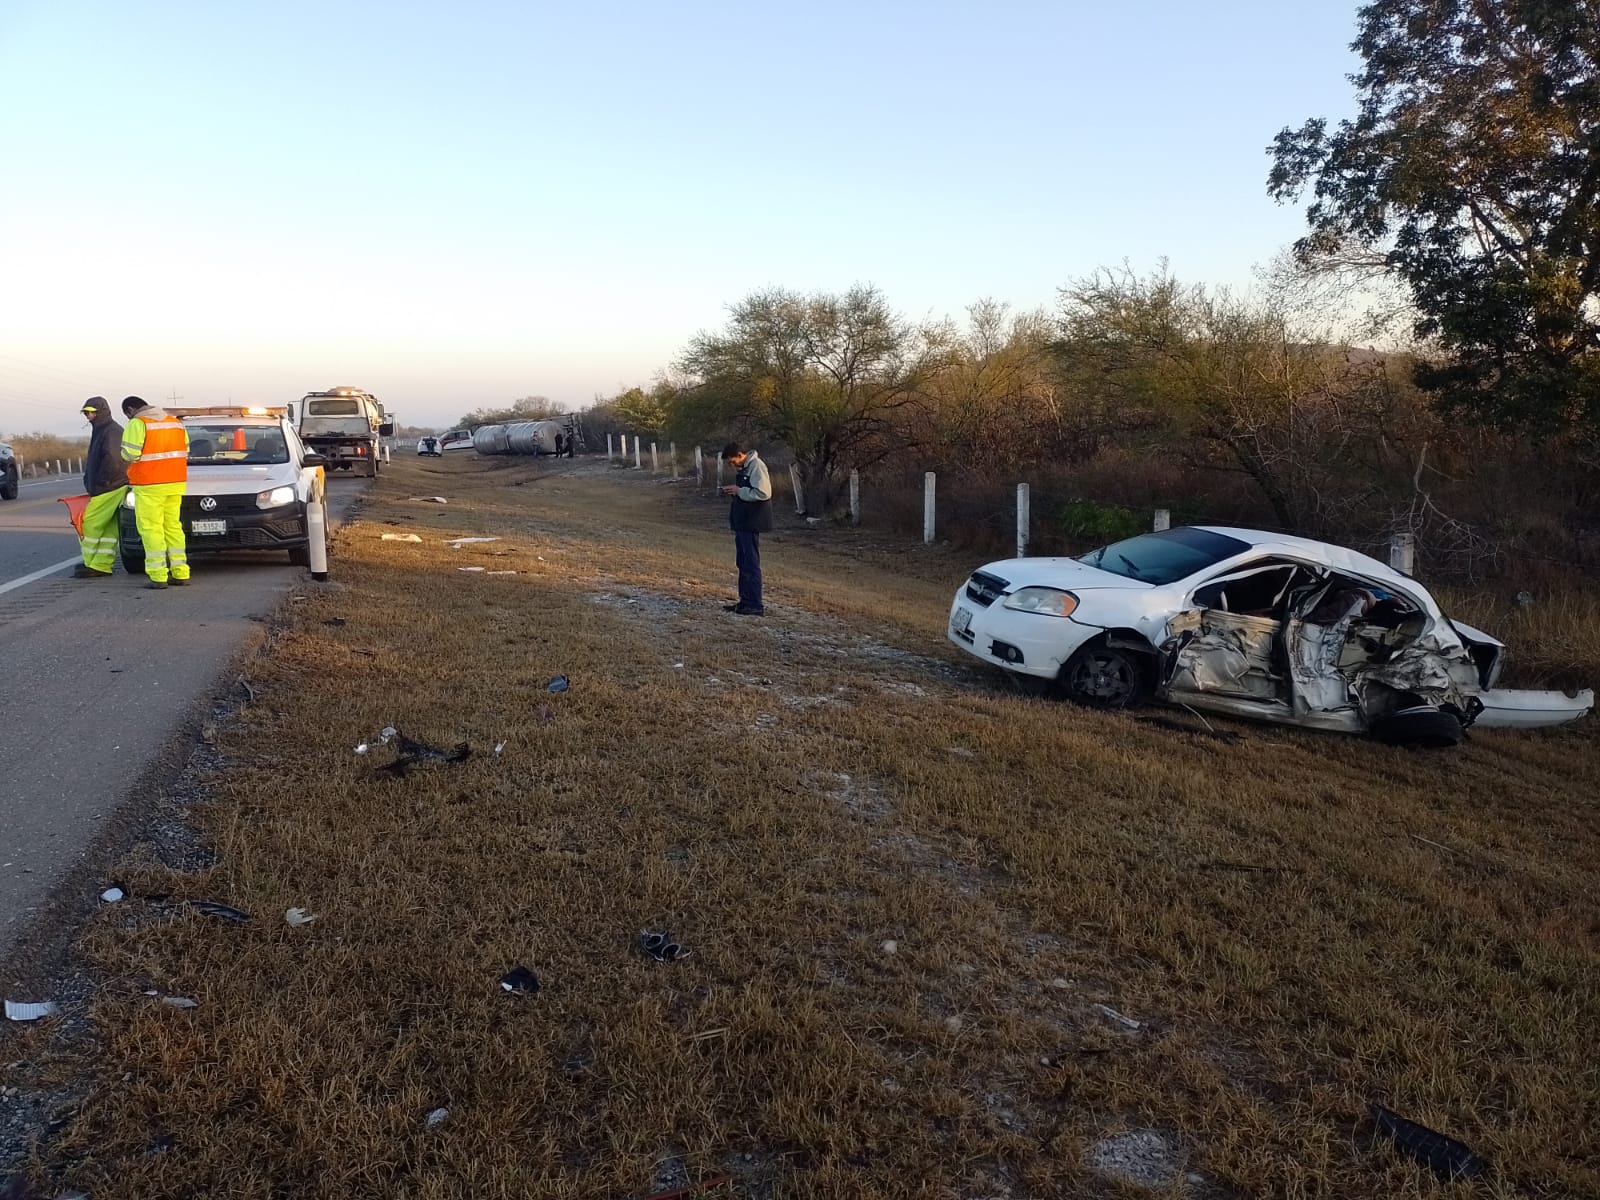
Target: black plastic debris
point(658, 944)
point(223, 912)
point(334, 621)
point(559, 684)
point(1444, 1156)
point(520, 979)
point(411, 753)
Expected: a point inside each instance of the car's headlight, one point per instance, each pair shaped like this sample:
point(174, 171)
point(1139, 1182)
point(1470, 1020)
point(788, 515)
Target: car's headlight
point(1052, 602)
point(277, 496)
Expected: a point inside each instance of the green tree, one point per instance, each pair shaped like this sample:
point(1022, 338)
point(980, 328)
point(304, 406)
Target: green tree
point(529, 408)
point(1472, 172)
point(643, 411)
point(829, 376)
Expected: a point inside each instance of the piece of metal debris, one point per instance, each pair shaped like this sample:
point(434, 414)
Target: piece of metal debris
point(429, 499)
point(362, 748)
point(520, 979)
point(112, 895)
point(1444, 1156)
point(499, 746)
point(558, 684)
point(658, 944)
point(223, 912)
point(1117, 1019)
point(22, 1010)
point(457, 543)
point(436, 1118)
point(179, 1002)
point(469, 568)
point(401, 537)
point(411, 753)
point(298, 916)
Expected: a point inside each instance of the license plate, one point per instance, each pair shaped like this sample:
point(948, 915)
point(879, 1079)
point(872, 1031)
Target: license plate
point(962, 621)
point(208, 527)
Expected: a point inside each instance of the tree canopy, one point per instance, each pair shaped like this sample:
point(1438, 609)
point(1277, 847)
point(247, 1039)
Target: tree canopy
point(1472, 171)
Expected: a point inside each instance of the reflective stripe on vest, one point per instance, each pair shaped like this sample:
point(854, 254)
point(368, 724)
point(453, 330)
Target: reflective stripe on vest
point(165, 456)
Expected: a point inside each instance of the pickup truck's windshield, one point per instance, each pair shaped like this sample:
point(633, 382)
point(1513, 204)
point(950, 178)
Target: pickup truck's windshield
point(1163, 557)
point(218, 442)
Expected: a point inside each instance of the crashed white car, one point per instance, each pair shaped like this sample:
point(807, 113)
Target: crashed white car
point(1259, 625)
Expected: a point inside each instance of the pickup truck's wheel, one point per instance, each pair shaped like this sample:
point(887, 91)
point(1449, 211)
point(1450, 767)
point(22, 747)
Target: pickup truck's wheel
point(10, 484)
point(1100, 676)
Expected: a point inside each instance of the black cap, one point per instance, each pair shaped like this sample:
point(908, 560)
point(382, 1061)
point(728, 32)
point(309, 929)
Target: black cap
point(132, 405)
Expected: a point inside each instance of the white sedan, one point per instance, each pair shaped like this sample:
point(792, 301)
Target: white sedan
point(1259, 625)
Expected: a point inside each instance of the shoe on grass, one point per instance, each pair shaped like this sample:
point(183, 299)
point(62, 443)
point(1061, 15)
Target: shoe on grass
point(743, 611)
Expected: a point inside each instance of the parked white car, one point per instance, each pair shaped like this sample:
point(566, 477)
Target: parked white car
point(1259, 625)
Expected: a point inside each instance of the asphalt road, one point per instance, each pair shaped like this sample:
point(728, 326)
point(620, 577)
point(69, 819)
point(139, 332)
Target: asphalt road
point(96, 679)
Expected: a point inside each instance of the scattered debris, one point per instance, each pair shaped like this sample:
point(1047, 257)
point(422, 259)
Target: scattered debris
point(179, 1002)
point(457, 543)
point(429, 499)
point(1117, 1019)
point(298, 916)
point(704, 1185)
point(890, 946)
point(436, 1118)
point(676, 666)
point(401, 537)
point(520, 979)
point(223, 912)
point(559, 684)
point(502, 572)
point(1444, 1156)
point(335, 621)
point(387, 732)
point(499, 746)
point(658, 944)
point(1140, 1156)
point(960, 751)
point(469, 568)
point(413, 753)
point(30, 1011)
point(112, 895)
point(362, 748)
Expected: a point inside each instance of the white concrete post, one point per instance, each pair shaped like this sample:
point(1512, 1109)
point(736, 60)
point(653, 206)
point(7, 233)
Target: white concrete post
point(799, 490)
point(317, 533)
point(719, 468)
point(58, 467)
point(672, 453)
point(1162, 521)
point(699, 468)
point(855, 497)
point(655, 463)
point(1023, 521)
point(927, 508)
point(608, 447)
point(637, 464)
point(1403, 553)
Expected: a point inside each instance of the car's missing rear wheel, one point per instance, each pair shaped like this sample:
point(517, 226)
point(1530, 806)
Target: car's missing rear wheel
point(1102, 676)
point(1421, 727)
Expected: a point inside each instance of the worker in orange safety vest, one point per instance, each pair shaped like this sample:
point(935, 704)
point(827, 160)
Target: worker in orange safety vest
point(156, 448)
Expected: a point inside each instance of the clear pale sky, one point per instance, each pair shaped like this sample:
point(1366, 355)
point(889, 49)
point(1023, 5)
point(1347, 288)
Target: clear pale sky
point(454, 205)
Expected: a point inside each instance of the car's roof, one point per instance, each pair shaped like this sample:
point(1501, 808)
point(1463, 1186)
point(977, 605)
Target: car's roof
point(1337, 556)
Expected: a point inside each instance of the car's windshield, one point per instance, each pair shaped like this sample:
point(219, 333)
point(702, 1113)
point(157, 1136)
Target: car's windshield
point(218, 442)
point(1163, 557)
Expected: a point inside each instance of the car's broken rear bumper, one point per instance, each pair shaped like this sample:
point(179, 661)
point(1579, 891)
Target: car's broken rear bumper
point(1509, 708)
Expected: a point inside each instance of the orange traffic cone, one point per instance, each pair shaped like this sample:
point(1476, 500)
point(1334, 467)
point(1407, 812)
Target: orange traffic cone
point(75, 506)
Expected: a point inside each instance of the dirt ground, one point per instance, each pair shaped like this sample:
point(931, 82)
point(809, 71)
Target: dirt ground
point(943, 940)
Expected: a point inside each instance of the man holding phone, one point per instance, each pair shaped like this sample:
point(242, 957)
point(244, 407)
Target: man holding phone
point(749, 516)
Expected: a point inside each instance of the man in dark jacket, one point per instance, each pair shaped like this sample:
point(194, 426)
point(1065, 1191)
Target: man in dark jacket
point(105, 478)
point(750, 516)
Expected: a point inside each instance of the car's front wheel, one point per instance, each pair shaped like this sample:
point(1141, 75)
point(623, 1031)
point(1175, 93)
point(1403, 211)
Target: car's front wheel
point(1102, 676)
point(10, 484)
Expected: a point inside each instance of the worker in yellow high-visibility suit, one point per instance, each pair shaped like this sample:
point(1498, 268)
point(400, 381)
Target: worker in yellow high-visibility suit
point(105, 478)
point(156, 448)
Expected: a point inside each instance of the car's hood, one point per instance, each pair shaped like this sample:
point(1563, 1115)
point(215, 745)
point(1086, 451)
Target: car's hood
point(1066, 573)
point(238, 480)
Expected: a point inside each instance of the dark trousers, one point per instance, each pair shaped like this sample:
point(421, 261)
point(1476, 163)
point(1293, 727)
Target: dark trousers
point(747, 552)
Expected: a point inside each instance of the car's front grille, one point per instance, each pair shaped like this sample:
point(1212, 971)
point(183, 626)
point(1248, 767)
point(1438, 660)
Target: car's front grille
point(985, 589)
point(222, 506)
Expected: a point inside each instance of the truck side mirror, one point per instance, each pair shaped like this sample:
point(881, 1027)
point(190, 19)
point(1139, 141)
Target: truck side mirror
point(313, 460)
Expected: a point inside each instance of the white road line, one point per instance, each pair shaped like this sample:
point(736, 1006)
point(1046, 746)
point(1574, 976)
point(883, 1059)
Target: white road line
point(57, 480)
point(40, 573)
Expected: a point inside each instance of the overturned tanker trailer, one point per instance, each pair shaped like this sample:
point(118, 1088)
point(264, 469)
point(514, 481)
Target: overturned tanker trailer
point(491, 439)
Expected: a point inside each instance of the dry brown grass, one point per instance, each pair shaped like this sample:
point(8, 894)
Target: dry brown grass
point(798, 792)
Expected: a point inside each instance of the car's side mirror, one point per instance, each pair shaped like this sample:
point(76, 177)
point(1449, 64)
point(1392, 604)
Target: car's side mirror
point(313, 460)
point(386, 429)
